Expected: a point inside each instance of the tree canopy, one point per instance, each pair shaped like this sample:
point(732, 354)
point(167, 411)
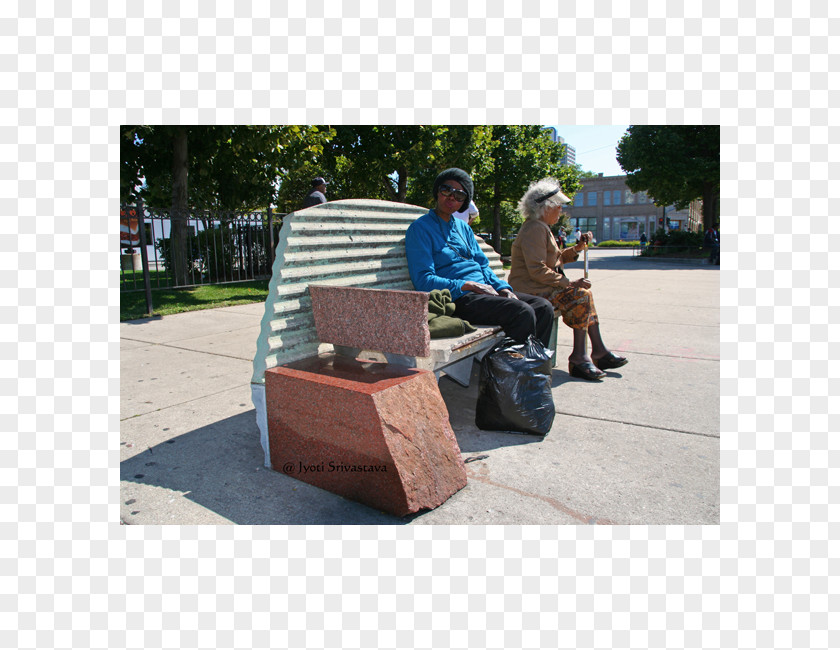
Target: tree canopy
point(393, 163)
point(241, 168)
point(230, 168)
point(674, 164)
point(516, 156)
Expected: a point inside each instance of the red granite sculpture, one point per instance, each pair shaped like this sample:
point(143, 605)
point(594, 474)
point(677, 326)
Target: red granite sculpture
point(386, 320)
point(371, 432)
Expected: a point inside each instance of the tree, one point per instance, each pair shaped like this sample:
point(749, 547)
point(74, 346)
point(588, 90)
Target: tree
point(149, 153)
point(221, 169)
point(393, 163)
point(674, 164)
point(517, 156)
point(230, 168)
point(400, 163)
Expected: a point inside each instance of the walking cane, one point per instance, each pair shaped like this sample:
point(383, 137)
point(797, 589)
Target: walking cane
point(586, 276)
point(586, 261)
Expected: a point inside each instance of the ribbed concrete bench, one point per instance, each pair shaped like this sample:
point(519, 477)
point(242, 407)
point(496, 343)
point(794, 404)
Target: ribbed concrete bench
point(359, 244)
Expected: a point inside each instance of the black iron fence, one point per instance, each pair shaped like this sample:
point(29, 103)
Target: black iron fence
point(684, 251)
point(179, 250)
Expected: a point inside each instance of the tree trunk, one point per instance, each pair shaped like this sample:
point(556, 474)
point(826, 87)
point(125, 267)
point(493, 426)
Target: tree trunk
point(497, 218)
point(710, 206)
point(178, 214)
point(402, 185)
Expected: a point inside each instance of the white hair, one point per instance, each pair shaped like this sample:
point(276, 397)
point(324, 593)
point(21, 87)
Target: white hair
point(528, 205)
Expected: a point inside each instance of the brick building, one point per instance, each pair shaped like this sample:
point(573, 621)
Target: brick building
point(607, 207)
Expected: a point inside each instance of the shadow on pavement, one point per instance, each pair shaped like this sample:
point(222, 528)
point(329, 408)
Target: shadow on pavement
point(474, 442)
point(636, 263)
point(220, 467)
point(143, 321)
point(461, 402)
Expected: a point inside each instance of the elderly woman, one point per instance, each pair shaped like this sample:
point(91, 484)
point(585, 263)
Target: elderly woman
point(443, 253)
point(537, 268)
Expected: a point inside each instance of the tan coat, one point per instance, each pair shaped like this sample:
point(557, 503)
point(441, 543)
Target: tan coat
point(534, 256)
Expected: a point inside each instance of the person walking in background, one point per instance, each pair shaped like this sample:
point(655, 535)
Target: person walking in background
point(643, 240)
point(711, 242)
point(317, 195)
point(561, 238)
point(469, 215)
point(577, 235)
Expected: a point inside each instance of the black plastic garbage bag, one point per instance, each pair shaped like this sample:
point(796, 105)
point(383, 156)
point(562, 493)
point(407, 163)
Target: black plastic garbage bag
point(514, 391)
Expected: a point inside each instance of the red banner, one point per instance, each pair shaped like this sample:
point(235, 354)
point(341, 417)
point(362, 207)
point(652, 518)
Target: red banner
point(129, 228)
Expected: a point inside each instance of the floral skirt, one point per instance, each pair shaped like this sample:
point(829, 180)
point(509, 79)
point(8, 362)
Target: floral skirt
point(576, 306)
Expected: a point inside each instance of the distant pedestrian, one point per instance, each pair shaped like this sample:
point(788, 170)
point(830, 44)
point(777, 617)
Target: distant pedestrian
point(561, 238)
point(643, 240)
point(469, 215)
point(317, 195)
point(577, 235)
point(711, 242)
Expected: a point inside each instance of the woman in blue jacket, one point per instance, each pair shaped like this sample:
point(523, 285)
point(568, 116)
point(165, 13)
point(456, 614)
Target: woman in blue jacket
point(443, 253)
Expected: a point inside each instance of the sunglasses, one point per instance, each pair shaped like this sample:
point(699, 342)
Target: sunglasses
point(460, 195)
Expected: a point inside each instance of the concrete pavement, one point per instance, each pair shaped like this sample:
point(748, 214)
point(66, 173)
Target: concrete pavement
point(640, 447)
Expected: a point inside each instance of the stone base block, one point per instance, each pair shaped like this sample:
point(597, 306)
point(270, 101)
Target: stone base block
point(371, 432)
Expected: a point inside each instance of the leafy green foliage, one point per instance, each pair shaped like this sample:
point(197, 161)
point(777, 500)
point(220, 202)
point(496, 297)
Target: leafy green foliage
point(511, 219)
point(517, 155)
point(395, 163)
point(230, 167)
point(674, 164)
point(246, 168)
point(612, 243)
point(675, 243)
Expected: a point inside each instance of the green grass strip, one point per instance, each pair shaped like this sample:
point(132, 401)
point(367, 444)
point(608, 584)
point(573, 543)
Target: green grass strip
point(176, 301)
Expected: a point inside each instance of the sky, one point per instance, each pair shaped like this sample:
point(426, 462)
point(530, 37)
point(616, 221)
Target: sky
point(594, 146)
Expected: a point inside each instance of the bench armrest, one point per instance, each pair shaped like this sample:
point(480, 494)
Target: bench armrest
point(385, 320)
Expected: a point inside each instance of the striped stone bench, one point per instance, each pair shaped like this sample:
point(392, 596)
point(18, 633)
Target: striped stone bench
point(356, 243)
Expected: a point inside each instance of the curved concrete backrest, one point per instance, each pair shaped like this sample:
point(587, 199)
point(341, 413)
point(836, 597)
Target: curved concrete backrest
point(351, 243)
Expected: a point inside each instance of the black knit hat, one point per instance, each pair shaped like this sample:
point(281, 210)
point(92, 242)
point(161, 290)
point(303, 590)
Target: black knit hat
point(459, 175)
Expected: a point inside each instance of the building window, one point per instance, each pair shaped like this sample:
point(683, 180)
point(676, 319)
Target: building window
point(629, 230)
point(578, 199)
point(592, 198)
point(607, 196)
point(585, 224)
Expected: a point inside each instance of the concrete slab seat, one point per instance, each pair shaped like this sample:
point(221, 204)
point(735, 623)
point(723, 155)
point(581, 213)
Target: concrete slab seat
point(358, 243)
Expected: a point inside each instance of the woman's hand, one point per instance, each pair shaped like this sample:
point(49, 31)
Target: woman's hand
point(583, 283)
point(585, 239)
point(507, 293)
point(476, 287)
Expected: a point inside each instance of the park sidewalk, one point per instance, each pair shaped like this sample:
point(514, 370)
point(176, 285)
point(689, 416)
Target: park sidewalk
point(640, 447)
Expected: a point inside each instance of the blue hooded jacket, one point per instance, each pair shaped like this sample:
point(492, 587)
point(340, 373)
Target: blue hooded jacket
point(446, 255)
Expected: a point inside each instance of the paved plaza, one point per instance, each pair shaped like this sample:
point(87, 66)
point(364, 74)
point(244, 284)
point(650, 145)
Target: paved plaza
point(640, 447)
